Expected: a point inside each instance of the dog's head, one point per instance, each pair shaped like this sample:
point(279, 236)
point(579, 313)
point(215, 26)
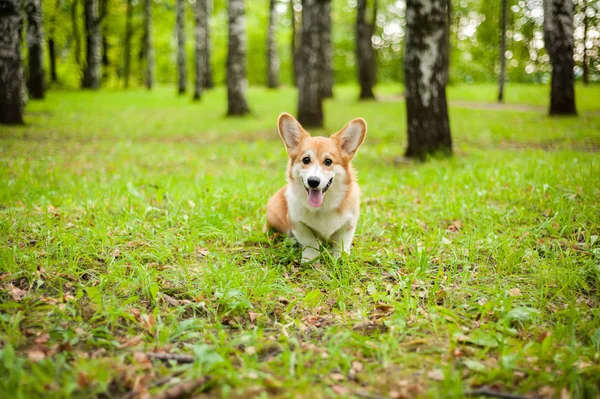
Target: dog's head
point(317, 164)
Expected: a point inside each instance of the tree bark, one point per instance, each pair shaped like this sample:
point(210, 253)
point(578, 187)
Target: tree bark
point(91, 72)
point(127, 45)
point(501, 78)
point(11, 65)
point(425, 67)
point(200, 55)
point(105, 45)
point(325, 50)
point(208, 76)
point(180, 16)
point(365, 55)
point(52, 43)
point(586, 58)
point(558, 39)
point(149, 48)
point(236, 60)
point(36, 82)
point(310, 106)
point(75, 30)
point(272, 55)
point(296, 65)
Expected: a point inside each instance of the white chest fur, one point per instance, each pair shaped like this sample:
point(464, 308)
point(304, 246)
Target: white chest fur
point(324, 221)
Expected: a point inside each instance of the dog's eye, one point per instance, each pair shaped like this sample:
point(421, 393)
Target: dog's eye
point(328, 162)
point(306, 160)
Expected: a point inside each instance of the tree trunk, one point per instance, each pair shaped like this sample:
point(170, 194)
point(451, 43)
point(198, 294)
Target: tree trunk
point(447, 46)
point(236, 60)
point(502, 51)
point(91, 72)
point(272, 55)
point(200, 55)
point(296, 65)
point(310, 106)
point(586, 60)
point(180, 11)
point(208, 77)
point(52, 43)
point(425, 67)
point(11, 64)
point(35, 38)
point(127, 46)
point(365, 55)
point(325, 50)
point(148, 44)
point(558, 39)
point(105, 59)
point(76, 36)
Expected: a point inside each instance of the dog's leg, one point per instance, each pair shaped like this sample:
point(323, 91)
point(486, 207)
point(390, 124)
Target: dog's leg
point(306, 238)
point(342, 240)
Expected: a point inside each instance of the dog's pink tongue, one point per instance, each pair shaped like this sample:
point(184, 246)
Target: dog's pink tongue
point(315, 198)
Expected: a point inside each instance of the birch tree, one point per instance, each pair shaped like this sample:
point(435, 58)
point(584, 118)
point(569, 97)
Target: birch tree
point(272, 55)
point(558, 39)
point(295, 40)
point(237, 83)
point(148, 46)
point(501, 78)
point(310, 106)
point(52, 42)
point(11, 64)
point(92, 67)
point(208, 75)
point(200, 55)
point(127, 43)
point(425, 66)
point(325, 49)
point(36, 79)
point(180, 22)
point(365, 55)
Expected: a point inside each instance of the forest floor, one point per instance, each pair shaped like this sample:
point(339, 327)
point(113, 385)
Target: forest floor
point(131, 226)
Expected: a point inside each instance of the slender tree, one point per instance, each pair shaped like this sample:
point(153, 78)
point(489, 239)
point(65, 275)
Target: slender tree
point(236, 60)
point(208, 75)
point(558, 39)
point(105, 45)
point(93, 58)
point(180, 11)
point(52, 43)
point(148, 46)
point(365, 55)
point(127, 44)
point(36, 79)
point(501, 78)
point(272, 55)
point(75, 32)
point(325, 50)
point(586, 58)
point(310, 106)
point(11, 65)
point(296, 17)
point(425, 66)
point(200, 55)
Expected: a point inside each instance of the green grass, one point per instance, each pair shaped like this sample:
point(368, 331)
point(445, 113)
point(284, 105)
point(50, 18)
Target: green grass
point(130, 222)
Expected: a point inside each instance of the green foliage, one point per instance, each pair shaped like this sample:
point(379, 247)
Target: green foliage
point(131, 222)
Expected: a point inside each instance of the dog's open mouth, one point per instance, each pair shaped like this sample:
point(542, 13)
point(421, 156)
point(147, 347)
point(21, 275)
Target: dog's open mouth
point(315, 197)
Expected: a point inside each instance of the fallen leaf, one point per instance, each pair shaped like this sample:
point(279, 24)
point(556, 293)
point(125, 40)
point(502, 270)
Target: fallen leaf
point(339, 389)
point(250, 350)
point(252, 316)
point(202, 251)
point(436, 375)
point(83, 380)
point(170, 300)
point(132, 341)
point(42, 338)
point(546, 392)
point(455, 226)
point(16, 293)
point(357, 366)
point(514, 292)
point(337, 376)
point(564, 394)
point(36, 354)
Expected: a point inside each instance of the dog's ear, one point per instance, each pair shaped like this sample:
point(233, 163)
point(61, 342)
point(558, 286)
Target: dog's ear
point(351, 136)
point(291, 131)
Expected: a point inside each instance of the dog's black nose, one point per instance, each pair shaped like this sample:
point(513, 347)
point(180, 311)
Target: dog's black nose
point(314, 182)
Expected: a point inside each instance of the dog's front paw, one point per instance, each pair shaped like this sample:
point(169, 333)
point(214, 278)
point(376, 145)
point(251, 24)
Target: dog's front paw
point(309, 254)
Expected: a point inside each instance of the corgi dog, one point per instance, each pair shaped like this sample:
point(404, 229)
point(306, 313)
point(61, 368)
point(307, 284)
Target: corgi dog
point(322, 199)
